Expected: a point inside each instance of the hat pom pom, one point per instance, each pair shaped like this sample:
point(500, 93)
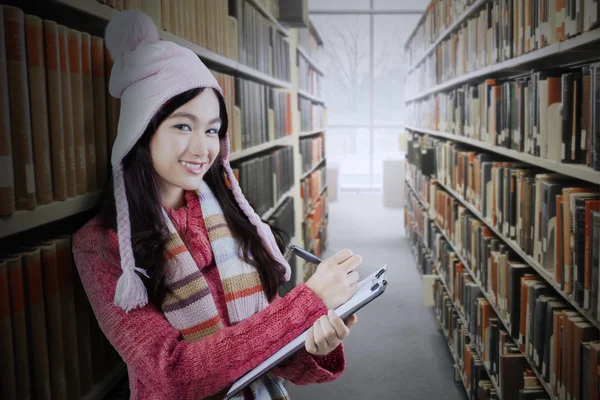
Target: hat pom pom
point(127, 30)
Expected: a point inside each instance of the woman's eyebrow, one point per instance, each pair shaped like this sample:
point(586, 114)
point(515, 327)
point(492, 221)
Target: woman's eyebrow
point(184, 115)
point(215, 120)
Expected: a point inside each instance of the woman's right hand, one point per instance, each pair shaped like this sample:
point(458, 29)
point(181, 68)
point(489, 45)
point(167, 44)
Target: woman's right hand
point(336, 280)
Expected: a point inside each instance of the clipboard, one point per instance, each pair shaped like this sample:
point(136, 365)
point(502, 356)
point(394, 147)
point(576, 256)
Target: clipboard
point(368, 290)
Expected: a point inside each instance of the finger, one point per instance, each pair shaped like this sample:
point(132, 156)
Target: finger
point(310, 344)
point(319, 337)
point(341, 329)
point(351, 320)
point(328, 331)
point(351, 263)
point(352, 277)
point(342, 256)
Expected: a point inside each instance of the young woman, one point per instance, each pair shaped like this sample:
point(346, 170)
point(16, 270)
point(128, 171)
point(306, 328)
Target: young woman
point(181, 273)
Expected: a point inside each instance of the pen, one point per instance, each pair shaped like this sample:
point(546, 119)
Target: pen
point(305, 255)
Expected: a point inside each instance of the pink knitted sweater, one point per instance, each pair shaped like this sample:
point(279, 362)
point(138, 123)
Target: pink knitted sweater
point(161, 365)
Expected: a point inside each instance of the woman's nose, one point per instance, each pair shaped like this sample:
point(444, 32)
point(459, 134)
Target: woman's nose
point(197, 145)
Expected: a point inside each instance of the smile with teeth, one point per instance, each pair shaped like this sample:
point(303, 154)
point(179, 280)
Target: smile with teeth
point(191, 167)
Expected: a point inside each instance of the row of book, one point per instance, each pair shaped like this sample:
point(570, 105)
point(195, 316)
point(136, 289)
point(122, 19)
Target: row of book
point(310, 80)
point(312, 116)
point(476, 341)
point(52, 346)
point(551, 218)
point(265, 114)
point(314, 227)
point(59, 121)
point(265, 178)
point(284, 218)
point(234, 29)
point(550, 114)
point(312, 151)
point(502, 30)
point(308, 42)
point(311, 188)
point(438, 17)
point(520, 301)
point(510, 285)
point(510, 373)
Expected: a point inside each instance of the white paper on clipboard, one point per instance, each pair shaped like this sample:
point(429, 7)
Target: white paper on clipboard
point(368, 289)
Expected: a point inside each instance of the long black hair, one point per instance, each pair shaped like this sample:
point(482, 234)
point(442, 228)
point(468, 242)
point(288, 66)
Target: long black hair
point(148, 229)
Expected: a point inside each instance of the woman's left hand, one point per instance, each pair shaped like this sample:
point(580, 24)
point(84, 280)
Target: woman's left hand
point(327, 333)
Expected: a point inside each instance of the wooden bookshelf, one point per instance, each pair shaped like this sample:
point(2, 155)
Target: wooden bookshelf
point(311, 97)
point(224, 64)
point(284, 141)
point(81, 10)
point(311, 133)
point(484, 294)
point(284, 196)
point(445, 33)
point(582, 43)
point(574, 170)
point(313, 169)
point(263, 10)
point(527, 258)
point(312, 63)
point(24, 220)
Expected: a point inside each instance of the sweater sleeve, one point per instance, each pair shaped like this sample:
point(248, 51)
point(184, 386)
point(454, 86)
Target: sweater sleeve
point(156, 352)
point(304, 368)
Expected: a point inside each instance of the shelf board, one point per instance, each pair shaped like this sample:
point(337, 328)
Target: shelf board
point(310, 97)
point(106, 13)
point(287, 194)
point(236, 155)
point(323, 190)
point(23, 220)
point(528, 259)
point(447, 32)
point(573, 170)
point(522, 63)
point(313, 169)
point(309, 60)
point(483, 291)
point(100, 390)
point(311, 133)
point(263, 10)
point(312, 206)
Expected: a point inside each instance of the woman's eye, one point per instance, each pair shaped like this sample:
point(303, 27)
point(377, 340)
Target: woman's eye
point(183, 127)
point(212, 131)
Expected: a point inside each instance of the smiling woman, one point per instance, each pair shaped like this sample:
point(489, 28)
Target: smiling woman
point(181, 272)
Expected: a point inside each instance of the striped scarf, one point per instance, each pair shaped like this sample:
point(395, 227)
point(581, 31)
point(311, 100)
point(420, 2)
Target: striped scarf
point(189, 306)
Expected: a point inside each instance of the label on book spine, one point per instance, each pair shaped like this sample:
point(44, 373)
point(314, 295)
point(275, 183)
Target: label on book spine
point(30, 176)
point(6, 164)
point(583, 141)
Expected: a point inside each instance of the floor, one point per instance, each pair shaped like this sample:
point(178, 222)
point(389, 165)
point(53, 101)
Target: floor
point(395, 350)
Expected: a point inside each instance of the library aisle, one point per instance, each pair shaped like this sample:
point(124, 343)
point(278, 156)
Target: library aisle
point(395, 350)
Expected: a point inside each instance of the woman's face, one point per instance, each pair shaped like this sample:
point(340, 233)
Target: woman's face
point(185, 145)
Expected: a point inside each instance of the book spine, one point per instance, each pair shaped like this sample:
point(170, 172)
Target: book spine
point(79, 139)
point(20, 112)
point(100, 113)
point(8, 377)
point(89, 124)
point(67, 111)
point(7, 183)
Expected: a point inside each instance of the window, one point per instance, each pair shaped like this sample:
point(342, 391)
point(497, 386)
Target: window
point(364, 84)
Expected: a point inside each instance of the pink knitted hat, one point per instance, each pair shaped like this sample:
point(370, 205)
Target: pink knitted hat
point(147, 72)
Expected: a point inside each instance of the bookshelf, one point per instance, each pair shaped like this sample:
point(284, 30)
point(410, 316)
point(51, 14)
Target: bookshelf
point(71, 13)
point(580, 172)
point(450, 63)
point(311, 97)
